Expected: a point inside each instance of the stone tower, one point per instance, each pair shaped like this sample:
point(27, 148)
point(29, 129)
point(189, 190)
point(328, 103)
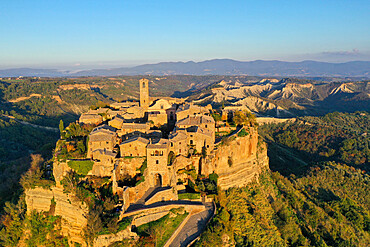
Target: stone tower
point(144, 93)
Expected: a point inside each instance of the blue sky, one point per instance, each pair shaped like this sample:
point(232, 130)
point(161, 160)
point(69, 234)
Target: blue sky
point(113, 33)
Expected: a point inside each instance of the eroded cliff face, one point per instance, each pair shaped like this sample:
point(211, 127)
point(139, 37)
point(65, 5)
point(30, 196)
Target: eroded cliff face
point(73, 212)
point(238, 161)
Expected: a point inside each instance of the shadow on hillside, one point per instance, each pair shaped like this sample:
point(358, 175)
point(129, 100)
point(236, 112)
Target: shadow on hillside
point(288, 161)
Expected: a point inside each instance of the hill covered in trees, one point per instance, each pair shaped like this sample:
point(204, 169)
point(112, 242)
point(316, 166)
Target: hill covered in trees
point(316, 193)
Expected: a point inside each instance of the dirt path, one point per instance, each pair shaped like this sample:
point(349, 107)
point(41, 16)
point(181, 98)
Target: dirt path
point(25, 98)
point(32, 125)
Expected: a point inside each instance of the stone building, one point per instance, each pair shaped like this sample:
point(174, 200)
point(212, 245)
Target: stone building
point(123, 105)
point(178, 143)
point(102, 137)
point(134, 147)
point(87, 118)
point(199, 138)
point(116, 122)
point(127, 128)
point(157, 160)
point(203, 121)
point(144, 93)
point(161, 112)
point(187, 110)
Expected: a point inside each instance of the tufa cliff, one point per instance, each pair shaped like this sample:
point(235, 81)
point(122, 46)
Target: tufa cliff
point(238, 160)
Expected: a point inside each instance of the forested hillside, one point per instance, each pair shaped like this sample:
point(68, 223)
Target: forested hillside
point(316, 193)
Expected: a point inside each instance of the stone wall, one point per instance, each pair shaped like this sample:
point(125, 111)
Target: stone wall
point(108, 239)
point(129, 166)
point(164, 195)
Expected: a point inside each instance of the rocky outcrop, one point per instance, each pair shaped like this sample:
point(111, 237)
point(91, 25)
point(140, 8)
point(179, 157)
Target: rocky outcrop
point(108, 239)
point(238, 161)
point(73, 212)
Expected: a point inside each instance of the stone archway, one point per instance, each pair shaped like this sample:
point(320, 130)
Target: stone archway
point(158, 180)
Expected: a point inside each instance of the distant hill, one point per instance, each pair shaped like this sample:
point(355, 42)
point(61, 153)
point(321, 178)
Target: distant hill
point(215, 67)
point(287, 97)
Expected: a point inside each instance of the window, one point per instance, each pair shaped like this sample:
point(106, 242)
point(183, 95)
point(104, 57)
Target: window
point(180, 151)
point(171, 144)
point(206, 126)
point(157, 162)
point(161, 106)
point(207, 146)
point(143, 84)
point(191, 142)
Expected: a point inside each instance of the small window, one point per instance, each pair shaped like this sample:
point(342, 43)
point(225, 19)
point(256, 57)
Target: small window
point(191, 142)
point(180, 151)
point(143, 84)
point(171, 144)
point(157, 162)
point(206, 126)
point(161, 106)
point(207, 146)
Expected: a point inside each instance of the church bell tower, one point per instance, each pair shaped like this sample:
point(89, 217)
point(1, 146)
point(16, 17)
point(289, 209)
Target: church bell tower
point(144, 93)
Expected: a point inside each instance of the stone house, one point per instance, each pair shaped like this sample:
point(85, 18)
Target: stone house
point(137, 111)
point(178, 143)
point(87, 118)
point(122, 105)
point(102, 137)
point(198, 138)
point(128, 128)
point(116, 122)
point(104, 155)
point(187, 110)
point(157, 160)
point(203, 121)
point(161, 112)
point(134, 147)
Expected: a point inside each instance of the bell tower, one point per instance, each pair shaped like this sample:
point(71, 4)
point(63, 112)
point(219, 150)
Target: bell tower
point(144, 93)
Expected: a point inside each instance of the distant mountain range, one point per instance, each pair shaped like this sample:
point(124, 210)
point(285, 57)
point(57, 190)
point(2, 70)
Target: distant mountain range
point(214, 67)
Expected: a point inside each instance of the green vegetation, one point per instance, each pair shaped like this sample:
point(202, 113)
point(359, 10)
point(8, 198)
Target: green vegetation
point(243, 133)
point(312, 198)
point(189, 196)
point(328, 207)
point(43, 229)
point(245, 118)
point(159, 231)
point(82, 167)
point(336, 136)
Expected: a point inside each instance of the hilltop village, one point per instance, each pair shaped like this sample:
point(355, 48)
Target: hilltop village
point(134, 134)
point(151, 153)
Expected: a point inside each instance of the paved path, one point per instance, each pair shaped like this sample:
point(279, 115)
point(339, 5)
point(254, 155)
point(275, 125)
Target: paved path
point(193, 227)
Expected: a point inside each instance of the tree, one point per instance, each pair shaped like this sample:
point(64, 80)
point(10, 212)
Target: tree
point(240, 118)
point(61, 128)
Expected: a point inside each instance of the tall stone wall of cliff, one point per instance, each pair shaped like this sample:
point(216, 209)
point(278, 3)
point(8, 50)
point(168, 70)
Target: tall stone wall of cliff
point(238, 160)
point(73, 212)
